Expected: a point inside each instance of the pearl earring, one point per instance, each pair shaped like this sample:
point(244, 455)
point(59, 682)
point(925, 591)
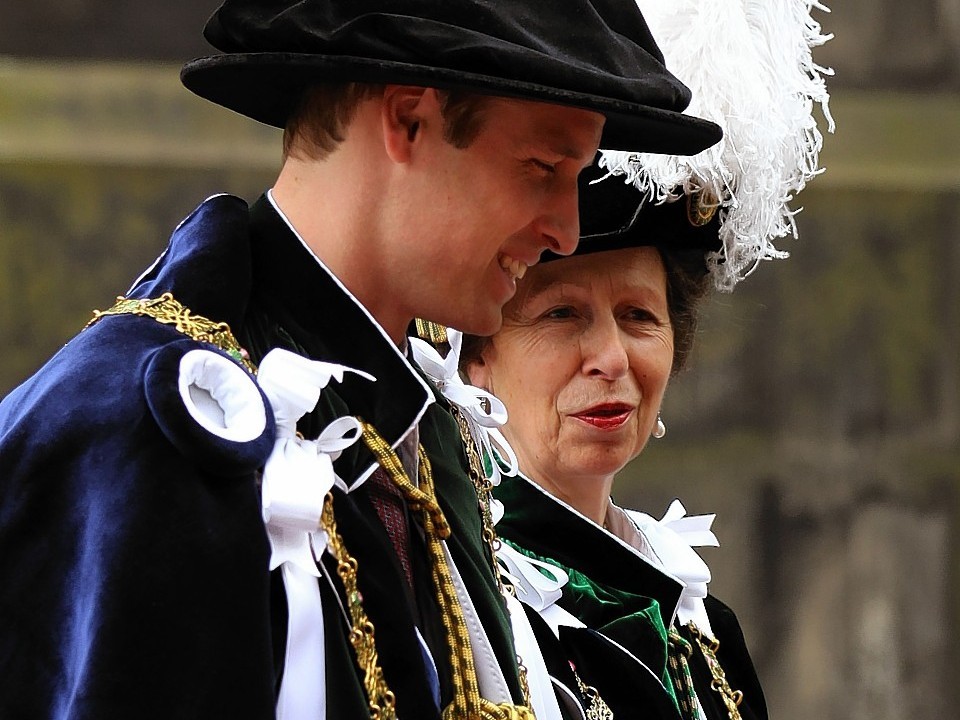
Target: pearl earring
point(660, 430)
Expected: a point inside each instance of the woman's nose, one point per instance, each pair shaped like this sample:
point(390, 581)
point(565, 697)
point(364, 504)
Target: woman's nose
point(604, 353)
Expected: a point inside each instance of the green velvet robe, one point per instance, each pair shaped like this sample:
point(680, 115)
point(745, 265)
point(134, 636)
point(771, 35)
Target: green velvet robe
point(621, 595)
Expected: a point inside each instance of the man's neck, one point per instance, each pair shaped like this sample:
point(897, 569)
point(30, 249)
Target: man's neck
point(335, 218)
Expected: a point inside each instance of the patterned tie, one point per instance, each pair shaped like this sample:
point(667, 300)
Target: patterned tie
point(391, 507)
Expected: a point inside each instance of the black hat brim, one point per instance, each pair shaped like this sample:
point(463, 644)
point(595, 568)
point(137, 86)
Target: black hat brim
point(615, 215)
point(267, 86)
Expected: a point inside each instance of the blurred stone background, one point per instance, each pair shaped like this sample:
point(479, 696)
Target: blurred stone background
point(820, 418)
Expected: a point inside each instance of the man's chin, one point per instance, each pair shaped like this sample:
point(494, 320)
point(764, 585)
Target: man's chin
point(482, 326)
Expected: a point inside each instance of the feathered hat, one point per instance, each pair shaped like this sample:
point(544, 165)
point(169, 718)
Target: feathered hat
point(750, 68)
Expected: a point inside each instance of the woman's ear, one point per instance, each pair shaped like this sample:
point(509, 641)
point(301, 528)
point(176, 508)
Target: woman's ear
point(478, 374)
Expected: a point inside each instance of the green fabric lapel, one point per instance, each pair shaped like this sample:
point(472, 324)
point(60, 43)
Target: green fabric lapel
point(634, 621)
point(611, 587)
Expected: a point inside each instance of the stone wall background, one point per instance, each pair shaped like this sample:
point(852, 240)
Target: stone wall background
point(820, 418)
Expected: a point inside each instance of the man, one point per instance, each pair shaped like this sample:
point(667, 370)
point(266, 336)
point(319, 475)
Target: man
point(431, 155)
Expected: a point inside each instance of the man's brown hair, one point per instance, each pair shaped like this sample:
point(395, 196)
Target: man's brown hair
point(325, 110)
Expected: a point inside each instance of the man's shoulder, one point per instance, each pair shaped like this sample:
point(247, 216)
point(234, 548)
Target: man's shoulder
point(131, 382)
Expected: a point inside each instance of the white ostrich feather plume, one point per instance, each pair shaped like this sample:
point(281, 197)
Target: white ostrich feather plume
point(750, 67)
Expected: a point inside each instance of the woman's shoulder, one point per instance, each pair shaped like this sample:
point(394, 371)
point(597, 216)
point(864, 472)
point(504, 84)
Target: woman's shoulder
point(720, 665)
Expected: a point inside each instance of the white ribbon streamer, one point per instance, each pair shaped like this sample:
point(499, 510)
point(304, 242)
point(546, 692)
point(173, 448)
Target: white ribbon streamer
point(302, 690)
point(490, 679)
point(484, 412)
point(296, 479)
point(542, 696)
point(672, 539)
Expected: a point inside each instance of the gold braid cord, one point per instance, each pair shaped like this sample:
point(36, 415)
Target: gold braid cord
point(168, 311)
point(678, 664)
point(709, 646)
point(467, 704)
point(430, 331)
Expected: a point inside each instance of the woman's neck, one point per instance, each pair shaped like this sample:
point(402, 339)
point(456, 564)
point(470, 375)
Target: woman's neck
point(588, 496)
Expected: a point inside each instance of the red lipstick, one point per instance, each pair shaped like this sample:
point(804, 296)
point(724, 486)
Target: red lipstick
point(607, 416)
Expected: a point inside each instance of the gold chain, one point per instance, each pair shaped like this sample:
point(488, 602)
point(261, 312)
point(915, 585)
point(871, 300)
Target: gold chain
point(467, 704)
point(709, 646)
point(598, 710)
point(380, 698)
point(168, 311)
point(484, 488)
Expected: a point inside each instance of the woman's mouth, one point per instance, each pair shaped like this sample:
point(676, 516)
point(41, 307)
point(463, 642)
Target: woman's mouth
point(608, 416)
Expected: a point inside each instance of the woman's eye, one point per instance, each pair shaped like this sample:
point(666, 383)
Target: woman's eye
point(640, 315)
point(559, 313)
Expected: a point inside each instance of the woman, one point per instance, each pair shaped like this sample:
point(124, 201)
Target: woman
point(582, 362)
point(584, 357)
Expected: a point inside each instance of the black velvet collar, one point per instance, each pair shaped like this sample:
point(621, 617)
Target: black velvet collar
point(329, 324)
point(537, 521)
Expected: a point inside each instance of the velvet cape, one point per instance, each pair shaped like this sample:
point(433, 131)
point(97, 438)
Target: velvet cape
point(133, 556)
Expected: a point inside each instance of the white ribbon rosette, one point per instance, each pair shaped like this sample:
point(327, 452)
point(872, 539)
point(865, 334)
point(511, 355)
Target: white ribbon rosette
point(537, 583)
point(296, 479)
point(484, 412)
point(672, 539)
point(219, 395)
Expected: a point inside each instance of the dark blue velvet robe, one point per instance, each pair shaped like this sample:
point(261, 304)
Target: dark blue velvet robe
point(133, 556)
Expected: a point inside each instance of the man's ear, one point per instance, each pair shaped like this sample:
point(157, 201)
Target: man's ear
point(405, 110)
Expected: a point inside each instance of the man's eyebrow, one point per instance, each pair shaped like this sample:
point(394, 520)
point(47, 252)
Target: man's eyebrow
point(564, 149)
point(559, 143)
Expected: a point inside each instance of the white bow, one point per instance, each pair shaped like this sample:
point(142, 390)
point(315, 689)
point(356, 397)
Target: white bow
point(672, 539)
point(484, 412)
point(296, 479)
point(299, 473)
point(534, 588)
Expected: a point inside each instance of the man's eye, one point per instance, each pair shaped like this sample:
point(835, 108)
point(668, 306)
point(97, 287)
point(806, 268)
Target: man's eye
point(544, 166)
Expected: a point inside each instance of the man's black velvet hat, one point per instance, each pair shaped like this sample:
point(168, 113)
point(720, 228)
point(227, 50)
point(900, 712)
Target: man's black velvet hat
point(593, 54)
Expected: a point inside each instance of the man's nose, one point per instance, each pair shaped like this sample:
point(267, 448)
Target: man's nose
point(560, 224)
